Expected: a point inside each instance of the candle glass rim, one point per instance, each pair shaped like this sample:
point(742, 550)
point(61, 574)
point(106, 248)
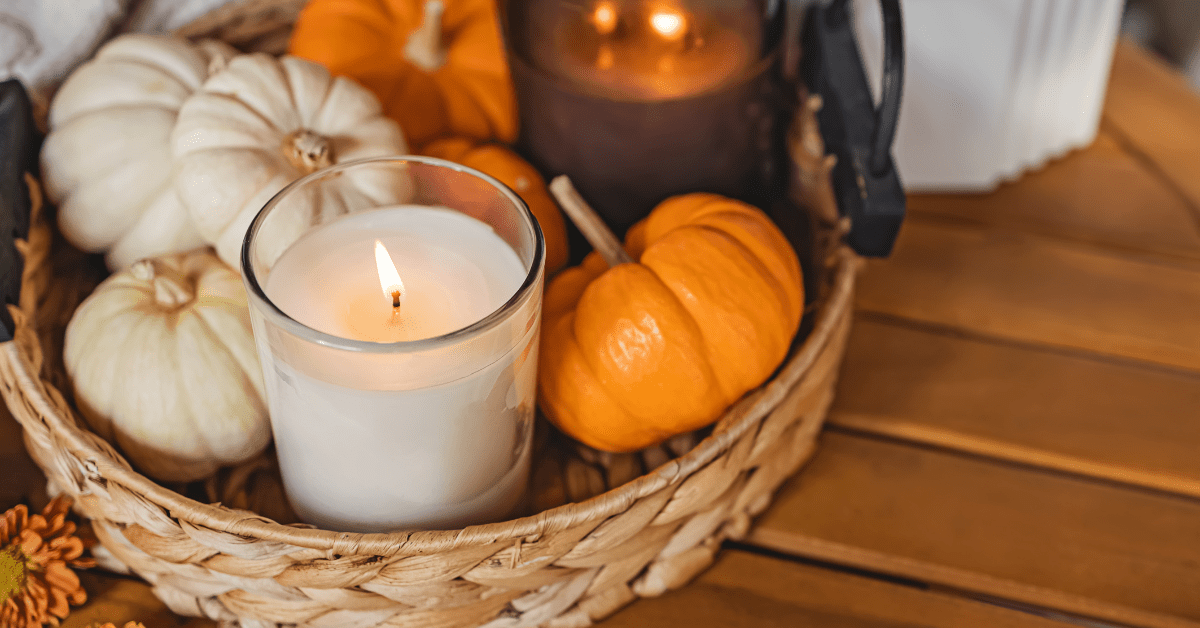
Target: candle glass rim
point(762, 64)
point(282, 319)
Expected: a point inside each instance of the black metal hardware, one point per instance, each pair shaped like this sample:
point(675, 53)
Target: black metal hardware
point(19, 142)
point(865, 180)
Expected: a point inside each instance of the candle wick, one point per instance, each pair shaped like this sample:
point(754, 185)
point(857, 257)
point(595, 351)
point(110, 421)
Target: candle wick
point(395, 321)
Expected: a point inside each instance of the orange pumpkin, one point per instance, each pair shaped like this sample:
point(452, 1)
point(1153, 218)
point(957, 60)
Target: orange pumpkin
point(639, 352)
point(437, 71)
point(516, 173)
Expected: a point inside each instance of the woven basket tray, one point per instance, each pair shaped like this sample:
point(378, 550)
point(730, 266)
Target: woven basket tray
point(640, 524)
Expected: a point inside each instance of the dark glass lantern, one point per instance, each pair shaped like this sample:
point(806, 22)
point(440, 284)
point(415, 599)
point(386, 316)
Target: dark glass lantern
point(639, 100)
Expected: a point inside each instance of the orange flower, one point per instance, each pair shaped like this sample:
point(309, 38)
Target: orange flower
point(36, 554)
point(132, 624)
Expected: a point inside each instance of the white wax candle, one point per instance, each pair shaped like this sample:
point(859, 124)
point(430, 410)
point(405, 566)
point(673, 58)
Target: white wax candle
point(455, 270)
point(422, 438)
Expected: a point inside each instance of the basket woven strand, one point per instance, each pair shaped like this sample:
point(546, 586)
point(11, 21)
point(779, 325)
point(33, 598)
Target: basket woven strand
point(628, 534)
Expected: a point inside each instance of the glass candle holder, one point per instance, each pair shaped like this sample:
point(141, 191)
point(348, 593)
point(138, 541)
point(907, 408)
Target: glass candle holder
point(396, 306)
point(638, 100)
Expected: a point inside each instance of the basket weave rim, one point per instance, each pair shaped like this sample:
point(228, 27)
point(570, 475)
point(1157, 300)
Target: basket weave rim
point(734, 423)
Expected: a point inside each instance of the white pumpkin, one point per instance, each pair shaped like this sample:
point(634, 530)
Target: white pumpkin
point(264, 122)
point(107, 161)
point(163, 363)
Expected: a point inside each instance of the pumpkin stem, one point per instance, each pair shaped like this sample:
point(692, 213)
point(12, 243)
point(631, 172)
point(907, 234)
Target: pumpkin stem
point(589, 222)
point(307, 151)
point(218, 55)
point(216, 64)
point(425, 48)
point(171, 289)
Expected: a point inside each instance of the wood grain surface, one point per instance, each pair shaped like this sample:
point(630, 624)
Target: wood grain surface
point(1066, 411)
point(1053, 324)
point(1131, 552)
point(1154, 110)
point(1100, 195)
point(1039, 290)
point(745, 590)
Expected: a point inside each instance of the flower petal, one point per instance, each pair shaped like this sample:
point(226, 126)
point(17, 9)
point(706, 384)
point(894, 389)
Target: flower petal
point(29, 542)
point(69, 548)
point(58, 603)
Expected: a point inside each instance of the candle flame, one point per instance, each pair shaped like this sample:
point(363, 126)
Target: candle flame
point(605, 17)
point(604, 57)
point(389, 278)
point(669, 23)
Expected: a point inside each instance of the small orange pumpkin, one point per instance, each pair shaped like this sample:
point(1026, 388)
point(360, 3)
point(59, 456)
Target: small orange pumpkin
point(437, 70)
point(634, 354)
point(516, 173)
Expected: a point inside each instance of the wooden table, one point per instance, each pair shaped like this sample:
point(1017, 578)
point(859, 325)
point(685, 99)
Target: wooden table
point(1016, 438)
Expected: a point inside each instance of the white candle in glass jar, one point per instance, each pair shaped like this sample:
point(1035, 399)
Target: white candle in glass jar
point(421, 438)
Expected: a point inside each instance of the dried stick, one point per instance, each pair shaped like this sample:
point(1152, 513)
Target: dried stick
point(589, 222)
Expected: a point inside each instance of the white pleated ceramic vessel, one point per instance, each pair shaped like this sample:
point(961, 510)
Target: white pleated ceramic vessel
point(993, 88)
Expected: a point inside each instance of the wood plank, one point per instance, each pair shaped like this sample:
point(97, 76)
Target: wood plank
point(1039, 290)
point(1043, 601)
point(746, 590)
point(1083, 547)
point(1100, 194)
point(1155, 111)
point(1103, 418)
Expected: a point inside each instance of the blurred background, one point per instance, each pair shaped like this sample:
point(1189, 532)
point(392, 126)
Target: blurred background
point(1171, 28)
point(993, 88)
point(997, 88)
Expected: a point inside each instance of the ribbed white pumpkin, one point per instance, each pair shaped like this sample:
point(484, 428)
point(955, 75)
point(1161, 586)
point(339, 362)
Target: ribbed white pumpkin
point(107, 161)
point(264, 122)
point(163, 363)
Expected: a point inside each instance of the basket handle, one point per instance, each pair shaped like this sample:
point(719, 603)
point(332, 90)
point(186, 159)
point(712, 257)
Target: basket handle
point(19, 143)
point(865, 180)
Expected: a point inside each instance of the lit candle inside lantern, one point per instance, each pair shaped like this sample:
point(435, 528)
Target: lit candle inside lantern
point(639, 100)
point(605, 17)
point(414, 422)
point(669, 23)
point(649, 52)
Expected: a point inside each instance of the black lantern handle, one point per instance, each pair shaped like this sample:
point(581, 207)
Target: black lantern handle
point(860, 134)
point(888, 112)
